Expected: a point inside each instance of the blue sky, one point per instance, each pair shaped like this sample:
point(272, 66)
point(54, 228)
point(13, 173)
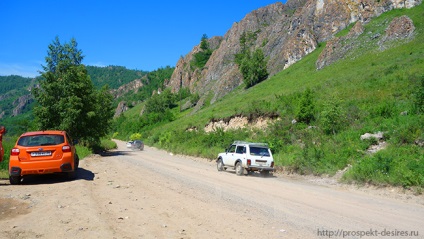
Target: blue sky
point(143, 35)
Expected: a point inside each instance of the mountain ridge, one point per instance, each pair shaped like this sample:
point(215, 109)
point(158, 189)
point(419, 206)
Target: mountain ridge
point(285, 32)
point(298, 25)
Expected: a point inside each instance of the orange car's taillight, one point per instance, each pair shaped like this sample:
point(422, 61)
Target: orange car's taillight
point(66, 148)
point(14, 152)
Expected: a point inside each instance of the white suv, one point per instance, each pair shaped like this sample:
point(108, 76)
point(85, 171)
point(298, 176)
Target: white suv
point(246, 157)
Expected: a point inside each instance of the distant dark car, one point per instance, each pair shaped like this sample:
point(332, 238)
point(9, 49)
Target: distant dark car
point(135, 145)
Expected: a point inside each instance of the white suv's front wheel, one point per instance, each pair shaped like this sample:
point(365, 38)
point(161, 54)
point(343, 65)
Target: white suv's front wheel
point(220, 165)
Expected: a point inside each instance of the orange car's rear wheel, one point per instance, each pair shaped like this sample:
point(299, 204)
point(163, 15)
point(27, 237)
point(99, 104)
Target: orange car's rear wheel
point(73, 175)
point(15, 180)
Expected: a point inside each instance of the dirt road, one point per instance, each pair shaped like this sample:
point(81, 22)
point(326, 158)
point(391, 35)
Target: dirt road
point(154, 194)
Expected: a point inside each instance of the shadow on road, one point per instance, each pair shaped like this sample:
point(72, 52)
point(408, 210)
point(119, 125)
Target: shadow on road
point(250, 174)
point(85, 174)
point(82, 174)
point(114, 153)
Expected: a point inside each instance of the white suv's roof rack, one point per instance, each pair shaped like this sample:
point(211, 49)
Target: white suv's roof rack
point(240, 142)
point(250, 143)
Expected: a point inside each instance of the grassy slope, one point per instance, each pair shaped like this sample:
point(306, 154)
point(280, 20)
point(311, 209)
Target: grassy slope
point(372, 88)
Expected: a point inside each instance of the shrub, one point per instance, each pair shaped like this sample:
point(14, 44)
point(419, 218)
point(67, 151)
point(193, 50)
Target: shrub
point(419, 96)
point(332, 119)
point(135, 136)
point(108, 144)
point(400, 166)
point(306, 107)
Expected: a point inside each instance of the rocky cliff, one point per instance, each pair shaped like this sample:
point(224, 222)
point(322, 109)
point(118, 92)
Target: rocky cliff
point(285, 32)
point(21, 103)
point(132, 86)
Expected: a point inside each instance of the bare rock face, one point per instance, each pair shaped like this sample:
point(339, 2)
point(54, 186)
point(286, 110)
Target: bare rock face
point(122, 107)
point(337, 47)
point(184, 74)
point(132, 86)
point(285, 33)
point(21, 103)
point(400, 28)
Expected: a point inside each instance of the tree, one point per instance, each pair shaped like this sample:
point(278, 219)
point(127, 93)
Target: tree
point(160, 103)
point(59, 57)
point(306, 107)
point(253, 68)
point(67, 99)
point(204, 44)
point(202, 57)
point(252, 65)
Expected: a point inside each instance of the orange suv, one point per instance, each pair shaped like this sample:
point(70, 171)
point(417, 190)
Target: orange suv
point(43, 152)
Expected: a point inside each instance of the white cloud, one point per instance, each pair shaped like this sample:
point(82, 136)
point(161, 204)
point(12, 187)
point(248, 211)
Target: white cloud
point(99, 64)
point(19, 69)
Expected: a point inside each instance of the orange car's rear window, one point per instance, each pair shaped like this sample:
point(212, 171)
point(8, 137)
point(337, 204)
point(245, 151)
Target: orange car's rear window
point(40, 140)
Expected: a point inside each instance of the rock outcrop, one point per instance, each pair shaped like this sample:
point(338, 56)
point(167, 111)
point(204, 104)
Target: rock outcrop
point(122, 107)
point(400, 28)
point(21, 103)
point(337, 47)
point(132, 86)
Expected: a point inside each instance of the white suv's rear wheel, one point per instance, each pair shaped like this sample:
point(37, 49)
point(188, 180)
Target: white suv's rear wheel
point(239, 169)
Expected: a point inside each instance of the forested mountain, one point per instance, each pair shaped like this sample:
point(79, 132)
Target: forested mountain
point(12, 90)
point(16, 100)
point(13, 82)
point(114, 76)
point(143, 88)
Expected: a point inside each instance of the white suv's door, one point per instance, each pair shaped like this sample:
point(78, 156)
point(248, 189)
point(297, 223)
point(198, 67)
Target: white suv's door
point(240, 154)
point(228, 157)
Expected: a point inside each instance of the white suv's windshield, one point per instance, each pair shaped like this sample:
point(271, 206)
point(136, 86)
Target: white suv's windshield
point(259, 151)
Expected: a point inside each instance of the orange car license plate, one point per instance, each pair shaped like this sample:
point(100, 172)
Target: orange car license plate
point(44, 153)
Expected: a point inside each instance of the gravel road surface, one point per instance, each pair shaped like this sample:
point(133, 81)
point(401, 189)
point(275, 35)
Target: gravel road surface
point(154, 194)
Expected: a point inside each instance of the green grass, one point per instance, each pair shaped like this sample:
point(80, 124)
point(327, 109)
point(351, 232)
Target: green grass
point(83, 151)
point(372, 86)
point(107, 144)
point(8, 143)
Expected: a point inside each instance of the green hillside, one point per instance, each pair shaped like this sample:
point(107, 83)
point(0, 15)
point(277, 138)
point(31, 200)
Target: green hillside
point(12, 87)
point(114, 76)
point(151, 81)
point(13, 82)
point(371, 90)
